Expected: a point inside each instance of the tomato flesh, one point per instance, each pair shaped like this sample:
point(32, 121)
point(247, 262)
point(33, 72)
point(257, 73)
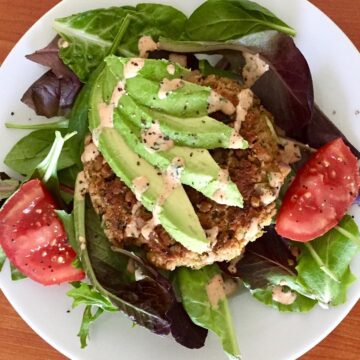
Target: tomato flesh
point(33, 237)
point(321, 193)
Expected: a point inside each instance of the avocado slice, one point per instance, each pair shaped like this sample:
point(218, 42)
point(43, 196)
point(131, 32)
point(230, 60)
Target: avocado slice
point(175, 213)
point(182, 113)
point(200, 170)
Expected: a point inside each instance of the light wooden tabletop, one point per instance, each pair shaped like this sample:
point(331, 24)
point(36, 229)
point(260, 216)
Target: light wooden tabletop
point(17, 340)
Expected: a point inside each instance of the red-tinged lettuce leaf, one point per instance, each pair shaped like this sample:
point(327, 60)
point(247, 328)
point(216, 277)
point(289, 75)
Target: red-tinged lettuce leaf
point(54, 93)
point(264, 262)
point(52, 96)
point(49, 56)
point(321, 131)
point(184, 331)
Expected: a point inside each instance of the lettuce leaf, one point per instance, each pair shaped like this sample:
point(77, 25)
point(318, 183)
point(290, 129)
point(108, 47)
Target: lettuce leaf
point(321, 274)
point(89, 35)
point(216, 317)
point(336, 251)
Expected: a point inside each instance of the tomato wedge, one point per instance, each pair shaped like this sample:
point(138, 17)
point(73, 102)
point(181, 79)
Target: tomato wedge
point(321, 193)
point(33, 237)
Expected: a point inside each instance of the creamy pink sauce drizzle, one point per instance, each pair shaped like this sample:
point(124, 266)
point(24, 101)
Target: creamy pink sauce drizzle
point(106, 111)
point(167, 86)
point(90, 153)
point(140, 185)
point(171, 178)
point(246, 99)
point(132, 67)
point(219, 103)
point(132, 228)
point(254, 68)
point(285, 298)
point(171, 69)
point(178, 59)
point(215, 291)
point(155, 140)
point(145, 45)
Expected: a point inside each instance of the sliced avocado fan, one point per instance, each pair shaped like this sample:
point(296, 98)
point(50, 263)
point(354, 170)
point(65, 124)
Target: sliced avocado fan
point(131, 119)
point(145, 118)
point(175, 213)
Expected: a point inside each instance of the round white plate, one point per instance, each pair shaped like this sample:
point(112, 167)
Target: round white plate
point(263, 333)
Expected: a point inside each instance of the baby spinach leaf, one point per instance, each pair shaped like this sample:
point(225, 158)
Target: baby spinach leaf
point(29, 151)
point(335, 251)
point(89, 35)
point(209, 311)
point(220, 20)
point(301, 303)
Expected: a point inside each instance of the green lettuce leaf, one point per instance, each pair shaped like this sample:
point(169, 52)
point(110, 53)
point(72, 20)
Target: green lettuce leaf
point(16, 274)
point(301, 303)
point(219, 20)
point(29, 151)
point(216, 317)
point(89, 35)
point(323, 266)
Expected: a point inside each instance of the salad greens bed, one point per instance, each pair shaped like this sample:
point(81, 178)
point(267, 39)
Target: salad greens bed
point(175, 302)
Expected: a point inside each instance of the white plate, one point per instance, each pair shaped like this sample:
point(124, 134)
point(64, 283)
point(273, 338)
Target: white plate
point(263, 333)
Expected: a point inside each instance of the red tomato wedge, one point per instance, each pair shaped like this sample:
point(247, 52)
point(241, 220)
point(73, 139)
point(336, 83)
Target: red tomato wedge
point(33, 237)
point(321, 193)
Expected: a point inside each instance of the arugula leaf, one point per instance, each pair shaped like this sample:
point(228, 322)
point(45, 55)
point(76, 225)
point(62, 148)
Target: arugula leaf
point(212, 314)
point(87, 319)
point(207, 69)
point(2, 258)
point(335, 251)
point(301, 303)
point(16, 274)
point(29, 151)
point(87, 294)
point(219, 20)
point(89, 35)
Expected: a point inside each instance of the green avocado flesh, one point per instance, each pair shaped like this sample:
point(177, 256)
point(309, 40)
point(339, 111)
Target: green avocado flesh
point(124, 107)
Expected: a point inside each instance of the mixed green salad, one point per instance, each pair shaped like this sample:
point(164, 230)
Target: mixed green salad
point(120, 88)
